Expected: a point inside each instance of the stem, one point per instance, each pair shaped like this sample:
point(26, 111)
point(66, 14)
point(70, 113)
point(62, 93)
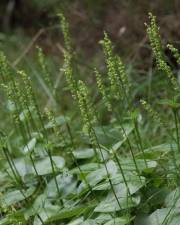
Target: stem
point(104, 162)
point(74, 159)
point(176, 129)
point(140, 141)
point(14, 171)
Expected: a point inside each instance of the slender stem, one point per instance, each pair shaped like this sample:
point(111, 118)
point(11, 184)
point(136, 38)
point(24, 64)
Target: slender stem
point(176, 129)
point(105, 165)
point(16, 176)
point(76, 163)
point(140, 141)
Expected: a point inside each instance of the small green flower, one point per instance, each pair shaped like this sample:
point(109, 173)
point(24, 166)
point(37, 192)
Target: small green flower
point(154, 37)
point(28, 87)
point(111, 66)
point(102, 90)
point(151, 111)
point(119, 84)
point(51, 118)
point(66, 33)
point(86, 108)
point(68, 71)
point(4, 68)
point(43, 66)
point(156, 45)
point(123, 76)
point(175, 52)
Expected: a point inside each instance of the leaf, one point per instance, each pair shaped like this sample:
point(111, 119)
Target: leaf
point(23, 166)
point(11, 105)
point(43, 166)
point(165, 216)
point(129, 165)
point(5, 221)
point(66, 184)
point(30, 146)
point(89, 153)
point(133, 181)
point(173, 198)
point(108, 135)
point(158, 151)
point(103, 217)
point(87, 168)
point(116, 146)
point(40, 202)
point(10, 198)
point(89, 222)
point(45, 213)
point(111, 204)
point(83, 153)
point(76, 221)
point(98, 175)
point(118, 221)
point(70, 212)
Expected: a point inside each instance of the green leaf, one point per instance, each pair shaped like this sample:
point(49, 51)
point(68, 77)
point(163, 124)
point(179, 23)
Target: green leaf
point(45, 213)
point(66, 184)
point(108, 135)
point(98, 175)
point(173, 198)
point(5, 221)
point(103, 218)
point(116, 146)
point(23, 166)
point(158, 151)
point(118, 221)
point(110, 203)
point(165, 216)
point(30, 146)
point(134, 183)
point(89, 222)
point(43, 166)
point(129, 165)
point(87, 168)
point(76, 221)
point(40, 202)
point(83, 153)
point(71, 212)
point(10, 198)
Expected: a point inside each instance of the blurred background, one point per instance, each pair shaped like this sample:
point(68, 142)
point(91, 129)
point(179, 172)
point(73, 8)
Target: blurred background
point(27, 23)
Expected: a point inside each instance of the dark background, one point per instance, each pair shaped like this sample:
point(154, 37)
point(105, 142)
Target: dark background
point(123, 20)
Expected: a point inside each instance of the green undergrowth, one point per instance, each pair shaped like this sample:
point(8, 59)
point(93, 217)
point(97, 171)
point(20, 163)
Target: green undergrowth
point(89, 152)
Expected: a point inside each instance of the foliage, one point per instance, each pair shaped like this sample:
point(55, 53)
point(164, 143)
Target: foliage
point(73, 168)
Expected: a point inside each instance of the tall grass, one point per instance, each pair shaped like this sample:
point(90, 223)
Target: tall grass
point(58, 171)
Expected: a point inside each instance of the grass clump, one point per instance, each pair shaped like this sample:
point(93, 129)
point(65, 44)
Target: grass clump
point(77, 167)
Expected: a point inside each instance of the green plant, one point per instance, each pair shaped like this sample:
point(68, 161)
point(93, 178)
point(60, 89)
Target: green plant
point(61, 168)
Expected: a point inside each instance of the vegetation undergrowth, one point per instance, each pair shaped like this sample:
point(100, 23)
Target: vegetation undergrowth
point(96, 165)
